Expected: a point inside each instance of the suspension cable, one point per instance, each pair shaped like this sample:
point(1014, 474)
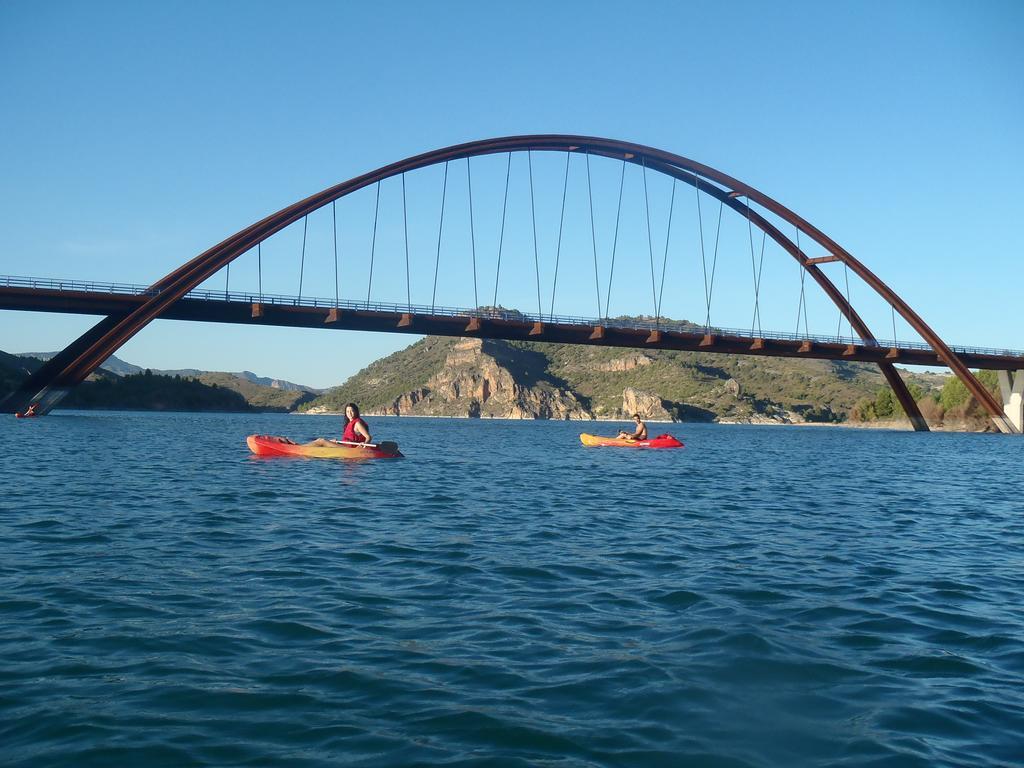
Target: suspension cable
point(227, 281)
point(593, 236)
point(803, 276)
point(803, 296)
point(703, 257)
point(846, 275)
point(760, 275)
point(373, 243)
point(714, 261)
point(561, 223)
point(650, 243)
point(615, 240)
point(893, 308)
point(839, 324)
point(802, 271)
point(756, 321)
point(405, 229)
point(302, 262)
point(259, 268)
point(668, 237)
point(533, 216)
point(440, 228)
point(472, 233)
point(334, 218)
point(501, 235)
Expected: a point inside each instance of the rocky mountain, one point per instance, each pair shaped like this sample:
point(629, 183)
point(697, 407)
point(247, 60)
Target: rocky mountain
point(459, 377)
point(523, 380)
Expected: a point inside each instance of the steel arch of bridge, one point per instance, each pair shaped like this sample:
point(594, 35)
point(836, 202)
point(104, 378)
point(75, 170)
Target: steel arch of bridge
point(90, 350)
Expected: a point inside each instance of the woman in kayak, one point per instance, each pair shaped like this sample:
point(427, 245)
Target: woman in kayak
point(356, 430)
point(639, 434)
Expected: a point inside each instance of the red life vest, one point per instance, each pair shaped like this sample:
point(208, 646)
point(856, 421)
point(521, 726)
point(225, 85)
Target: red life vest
point(350, 435)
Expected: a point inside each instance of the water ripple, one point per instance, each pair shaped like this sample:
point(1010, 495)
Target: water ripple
point(504, 597)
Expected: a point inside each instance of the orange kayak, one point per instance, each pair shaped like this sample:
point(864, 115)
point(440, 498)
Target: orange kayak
point(661, 441)
point(270, 445)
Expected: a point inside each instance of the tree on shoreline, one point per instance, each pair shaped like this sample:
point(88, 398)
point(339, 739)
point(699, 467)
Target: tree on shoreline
point(953, 402)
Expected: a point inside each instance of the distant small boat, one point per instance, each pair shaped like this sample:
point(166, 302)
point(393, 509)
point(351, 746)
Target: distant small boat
point(661, 441)
point(271, 445)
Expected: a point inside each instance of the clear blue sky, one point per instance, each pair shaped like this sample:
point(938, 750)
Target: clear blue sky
point(136, 135)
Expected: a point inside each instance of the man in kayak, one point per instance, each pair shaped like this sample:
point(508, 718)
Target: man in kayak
point(639, 434)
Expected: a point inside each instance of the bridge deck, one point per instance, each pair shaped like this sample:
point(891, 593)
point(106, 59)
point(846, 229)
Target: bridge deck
point(252, 309)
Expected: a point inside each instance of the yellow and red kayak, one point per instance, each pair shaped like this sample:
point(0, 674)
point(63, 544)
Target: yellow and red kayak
point(661, 441)
point(271, 445)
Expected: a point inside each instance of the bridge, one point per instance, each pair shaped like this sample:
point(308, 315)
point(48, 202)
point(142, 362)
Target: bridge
point(127, 309)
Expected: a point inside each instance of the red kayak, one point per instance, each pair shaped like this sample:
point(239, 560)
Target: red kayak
point(270, 445)
point(661, 441)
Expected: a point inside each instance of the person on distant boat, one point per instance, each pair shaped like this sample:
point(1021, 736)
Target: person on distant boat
point(356, 430)
point(640, 433)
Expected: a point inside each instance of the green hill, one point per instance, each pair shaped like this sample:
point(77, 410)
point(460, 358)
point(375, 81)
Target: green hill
point(13, 370)
point(142, 391)
point(258, 396)
point(726, 385)
point(151, 391)
point(471, 377)
point(123, 385)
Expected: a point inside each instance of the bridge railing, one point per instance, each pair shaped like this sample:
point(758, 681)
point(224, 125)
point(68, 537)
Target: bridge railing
point(46, 283)
point(493, 313)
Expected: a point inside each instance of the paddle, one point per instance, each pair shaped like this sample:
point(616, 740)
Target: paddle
point(387, 446)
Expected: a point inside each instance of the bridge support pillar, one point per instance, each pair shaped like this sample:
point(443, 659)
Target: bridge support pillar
point(1011, 385)
point(906, 400)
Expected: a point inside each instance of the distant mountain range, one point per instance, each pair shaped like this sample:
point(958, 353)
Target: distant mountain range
point(119, 384)
point(521, 380)
point(119, 367)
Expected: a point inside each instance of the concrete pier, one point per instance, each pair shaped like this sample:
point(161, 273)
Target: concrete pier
point(1011, 385)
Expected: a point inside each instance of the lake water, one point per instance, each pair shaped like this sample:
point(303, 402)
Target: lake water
point(767, 596)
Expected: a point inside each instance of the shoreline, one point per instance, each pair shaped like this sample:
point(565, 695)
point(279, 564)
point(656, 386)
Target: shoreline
point(901, 425)
point(888, 425)
point(487, 418)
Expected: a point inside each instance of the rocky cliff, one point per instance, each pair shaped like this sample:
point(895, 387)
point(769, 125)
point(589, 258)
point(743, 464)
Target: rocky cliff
point(480, 378)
